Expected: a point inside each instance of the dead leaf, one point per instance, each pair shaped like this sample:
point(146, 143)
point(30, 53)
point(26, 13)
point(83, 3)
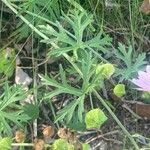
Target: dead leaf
point(143, 110)
point(111, 4)
point(68, 135)
point(29, 99)
point(18, 61)
point(145, 7)
point(62, 133)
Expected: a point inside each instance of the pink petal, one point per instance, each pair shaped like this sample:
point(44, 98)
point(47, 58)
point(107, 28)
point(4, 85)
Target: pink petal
point(145, 77)
point(143, 85)
point(148, 69)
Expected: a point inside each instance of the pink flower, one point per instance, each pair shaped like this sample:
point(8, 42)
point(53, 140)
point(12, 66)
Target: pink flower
point(143, 81)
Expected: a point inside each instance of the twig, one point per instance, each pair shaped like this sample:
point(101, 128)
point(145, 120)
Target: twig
point(131, 111)
point(102, 135)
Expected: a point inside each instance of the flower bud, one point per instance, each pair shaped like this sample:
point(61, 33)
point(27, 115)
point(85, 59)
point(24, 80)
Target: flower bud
point(106, 70)
point(19, 136)
point(119, 90)
point(48, 131)
point(39, 144)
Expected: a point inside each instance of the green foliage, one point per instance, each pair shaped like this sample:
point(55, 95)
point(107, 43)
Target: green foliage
point(69, 110)
point(32, 111)
point(7, 61)
point(129, 64)
point(89, 79)
point(71, 39)
point(95, 118)
point(73, 35)
point(119, 90)
point(62, 144)
point(61, 87)
point(47, 9)
point(5, 143)
point(10, 111)
point(75, 38)
point(75, 124)
point(64, 87)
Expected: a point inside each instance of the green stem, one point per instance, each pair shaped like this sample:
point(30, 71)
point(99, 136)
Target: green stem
point(116, 119)
point(131, 24)
point(27, 145)
point(22, 144)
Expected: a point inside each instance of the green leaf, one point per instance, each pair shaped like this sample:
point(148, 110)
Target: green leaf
point(5, 128)
point(5, 143)
point(75, 124)
point(85, 146)
point(95, 118)
point(10, 109)
point(7, 61)
point(99, 42)
point(11, 95)
point(62, 144)
point(32, 111)
point(50, 11)
point(130, 62)
point(67, 112)
point(52, 94)
point(17, 117)
point(63, 87)
point(74, 38)
point(119, 90)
